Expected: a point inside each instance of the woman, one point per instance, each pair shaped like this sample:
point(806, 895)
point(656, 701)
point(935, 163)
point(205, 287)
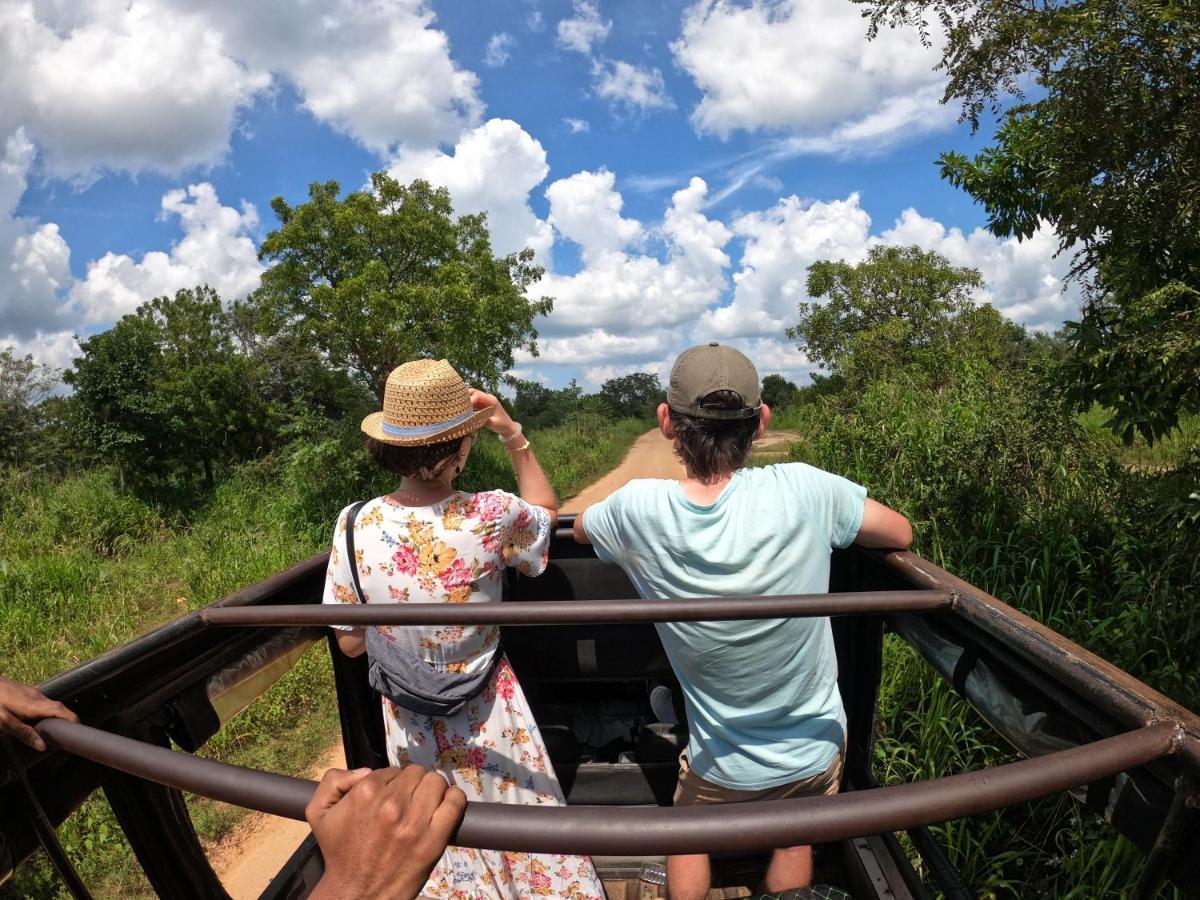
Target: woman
point(450, 699)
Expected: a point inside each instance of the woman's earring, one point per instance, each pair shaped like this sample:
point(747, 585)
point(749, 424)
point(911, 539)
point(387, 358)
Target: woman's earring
point(458, 469)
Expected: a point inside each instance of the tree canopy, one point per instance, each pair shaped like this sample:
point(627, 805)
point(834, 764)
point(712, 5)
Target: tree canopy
point(1108, 154)
point(386, 275)
point(24, 384)
point(896, 306)
point(167, 388)
point(635, 396)
point(778, 393)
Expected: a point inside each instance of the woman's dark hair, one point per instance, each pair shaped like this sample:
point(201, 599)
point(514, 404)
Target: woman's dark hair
point(410, 460)
point(711, 448)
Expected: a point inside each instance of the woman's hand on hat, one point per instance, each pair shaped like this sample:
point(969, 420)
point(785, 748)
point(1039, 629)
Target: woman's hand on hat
point(500, 422)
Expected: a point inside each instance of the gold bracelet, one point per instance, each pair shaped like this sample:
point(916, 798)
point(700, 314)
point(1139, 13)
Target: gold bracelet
point(524, 446)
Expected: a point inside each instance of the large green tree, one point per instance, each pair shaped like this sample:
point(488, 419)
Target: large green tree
point(635, 395)
point(169, 390)
point(389, 274)
point(1108, 153)
point(212, 386)
point(125, 416)
point(24, 384)
point(538, 406)
point(778, 393)
point(900, 306)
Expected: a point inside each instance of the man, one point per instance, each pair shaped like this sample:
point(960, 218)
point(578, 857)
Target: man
point(763, 709)
point(381, 832)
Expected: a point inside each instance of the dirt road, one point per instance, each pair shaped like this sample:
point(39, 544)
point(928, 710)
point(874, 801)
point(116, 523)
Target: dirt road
point(650, 456)
point(250, 856)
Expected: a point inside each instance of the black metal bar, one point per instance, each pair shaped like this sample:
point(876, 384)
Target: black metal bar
point(698, 609)
point(1181, 822)
point(46, 834)
point(617, 831)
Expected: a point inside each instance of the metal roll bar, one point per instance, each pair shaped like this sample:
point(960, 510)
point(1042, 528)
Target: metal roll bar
point(696, 609)
point(599, 830)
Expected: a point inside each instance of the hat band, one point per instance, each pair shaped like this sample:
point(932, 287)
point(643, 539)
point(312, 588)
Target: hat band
point(420, 431)
point(705, 412)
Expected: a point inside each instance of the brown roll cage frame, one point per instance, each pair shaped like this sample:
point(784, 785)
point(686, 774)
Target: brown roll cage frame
point(1109, 726)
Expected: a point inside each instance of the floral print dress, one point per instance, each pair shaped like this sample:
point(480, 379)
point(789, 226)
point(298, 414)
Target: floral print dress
point(455, 551)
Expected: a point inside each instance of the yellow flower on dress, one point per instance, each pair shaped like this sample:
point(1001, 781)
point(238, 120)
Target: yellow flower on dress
point(434, 557)
point(457, 510)
point(420, 532)
point(459, 595)
point(517, 735)
point(343, 594)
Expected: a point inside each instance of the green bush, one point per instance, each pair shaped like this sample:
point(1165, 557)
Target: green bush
point(1011, 492)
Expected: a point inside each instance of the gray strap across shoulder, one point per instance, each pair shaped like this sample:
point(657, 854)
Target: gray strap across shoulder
point(401, 675)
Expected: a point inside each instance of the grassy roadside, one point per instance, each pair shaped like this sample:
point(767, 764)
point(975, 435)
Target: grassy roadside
point(1047, 512)
point(84, 568)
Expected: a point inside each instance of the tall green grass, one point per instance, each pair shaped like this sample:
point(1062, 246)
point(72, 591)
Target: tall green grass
point(1009, 491)
point(84, 568)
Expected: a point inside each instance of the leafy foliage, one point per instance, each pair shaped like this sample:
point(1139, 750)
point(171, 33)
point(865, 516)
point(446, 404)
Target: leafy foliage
point(1142, 362)
point(778, 393)
point(125, 415)
point(636, 395)
point(1109, 156)
point(389, 275)
point(537, 406)
point(900, 307)
point(24, 384)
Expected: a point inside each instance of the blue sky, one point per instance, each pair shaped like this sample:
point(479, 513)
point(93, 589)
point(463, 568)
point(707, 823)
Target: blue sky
point(145, 141)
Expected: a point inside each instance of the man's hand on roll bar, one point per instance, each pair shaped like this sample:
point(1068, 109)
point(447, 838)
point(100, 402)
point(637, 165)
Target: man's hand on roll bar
point(19, 703)
point(381, 832)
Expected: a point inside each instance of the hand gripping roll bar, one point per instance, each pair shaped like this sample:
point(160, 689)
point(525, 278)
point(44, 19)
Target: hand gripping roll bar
point(601, 830)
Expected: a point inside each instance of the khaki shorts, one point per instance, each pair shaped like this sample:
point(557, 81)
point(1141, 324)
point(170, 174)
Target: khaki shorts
point(692, 790)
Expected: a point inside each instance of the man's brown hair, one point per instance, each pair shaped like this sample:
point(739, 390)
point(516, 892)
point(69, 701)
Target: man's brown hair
point(711, 448)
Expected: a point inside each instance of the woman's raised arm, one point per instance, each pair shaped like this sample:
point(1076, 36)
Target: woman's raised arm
point(532, 484)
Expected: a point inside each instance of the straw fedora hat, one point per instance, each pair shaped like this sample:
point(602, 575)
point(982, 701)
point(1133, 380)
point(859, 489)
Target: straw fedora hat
point(424, 402)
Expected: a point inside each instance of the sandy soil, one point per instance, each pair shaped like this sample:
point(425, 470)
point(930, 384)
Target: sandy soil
point(250, 856)
point(650, 456)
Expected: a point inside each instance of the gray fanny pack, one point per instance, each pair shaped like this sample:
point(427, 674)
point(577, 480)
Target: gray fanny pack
point(402, 676)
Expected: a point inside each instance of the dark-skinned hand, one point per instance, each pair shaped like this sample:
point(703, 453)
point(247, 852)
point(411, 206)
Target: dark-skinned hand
point(381, 832)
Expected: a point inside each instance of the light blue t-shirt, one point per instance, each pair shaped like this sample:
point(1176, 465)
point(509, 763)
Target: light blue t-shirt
point(762, 700)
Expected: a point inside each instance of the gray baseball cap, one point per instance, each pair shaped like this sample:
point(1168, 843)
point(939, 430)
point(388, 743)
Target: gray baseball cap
point(700, 371)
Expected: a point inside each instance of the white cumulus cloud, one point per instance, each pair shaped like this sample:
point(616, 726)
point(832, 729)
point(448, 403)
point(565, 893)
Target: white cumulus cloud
point(633, 294)
point(586, 210)
point(781, 242)
point(492, 169)
point(120, 86)
point(804, 67)
point(1024, 280)
point(103, 85)
point(34, 258)
point(217, 249)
